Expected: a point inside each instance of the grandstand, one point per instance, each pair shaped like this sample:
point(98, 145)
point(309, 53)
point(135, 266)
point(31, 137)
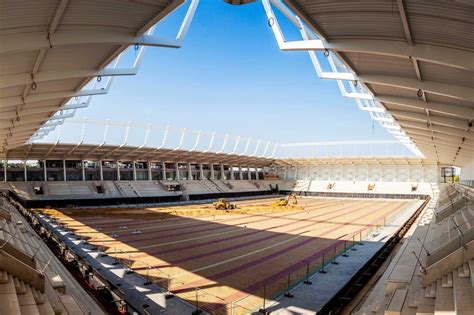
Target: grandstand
point(120, 228)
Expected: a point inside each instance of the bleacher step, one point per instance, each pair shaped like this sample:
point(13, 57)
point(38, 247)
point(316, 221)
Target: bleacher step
point(414, 298)
point(471, 270)
point(8, 297)
point(27, 303)
point(39, 299)
point(3, 276)
point(430, 291)
point(46, 309)
point(447, 280)
point(463, 296)
point(19, 286)
point(444, 302)
point(396, 302)
point(463, 271)
point(425, 310)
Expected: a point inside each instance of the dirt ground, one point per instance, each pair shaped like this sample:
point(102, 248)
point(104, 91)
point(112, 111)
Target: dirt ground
point(230, 259)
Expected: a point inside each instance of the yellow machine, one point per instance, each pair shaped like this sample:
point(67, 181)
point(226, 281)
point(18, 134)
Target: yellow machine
point(222, 204)
point(283, 202)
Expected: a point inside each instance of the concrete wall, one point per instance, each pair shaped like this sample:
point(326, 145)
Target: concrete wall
point(414, 173)
point(467, 172)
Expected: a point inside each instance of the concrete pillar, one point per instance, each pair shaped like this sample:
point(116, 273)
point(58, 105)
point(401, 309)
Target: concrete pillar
point(150, 177)
point(5, 162)
point(201, 171)
point(45, 171)
point(257, 177)
point(249, 172)
point(163, 170)
point(64, 171)
point(83, 171)
point(176, 166)
point(118, 169)
point(190, 172)
point(231, 168)
point(101, 171)
point(134, 168)
point(212, 171)
point(241, 174)
point(221, 166)
point(25, 175)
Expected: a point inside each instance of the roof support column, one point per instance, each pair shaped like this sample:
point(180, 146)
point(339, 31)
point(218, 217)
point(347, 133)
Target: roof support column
point(190, 172)
point(221, 166)
point(150, 177)
point(163, 170)
point(285, 173)
point(101, 171)
point(231, 168)
point(176, 166)
point(134, 168)
point(5, 162)
point(241, 175)
point(249, 172)
point(83, 168)
point(201, 171)
point(45, 171)
point(257, 177)
point(212, 171)
point(64, 171)
point(118, 169)
point(25, 173)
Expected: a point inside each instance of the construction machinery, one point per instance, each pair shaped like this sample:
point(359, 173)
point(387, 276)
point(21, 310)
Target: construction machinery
point(283, 202)
point(223, 204)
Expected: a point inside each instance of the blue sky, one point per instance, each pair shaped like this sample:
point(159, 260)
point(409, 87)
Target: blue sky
point(231, 77)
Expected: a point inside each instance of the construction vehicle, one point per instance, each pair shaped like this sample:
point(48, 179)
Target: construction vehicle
point(223, 204)
point(283, 202)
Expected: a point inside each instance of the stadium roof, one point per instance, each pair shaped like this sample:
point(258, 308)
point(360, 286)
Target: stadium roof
point(410, 63)
point(56, 151)
point(356, 160)
point(51, 49)
point(414, 58)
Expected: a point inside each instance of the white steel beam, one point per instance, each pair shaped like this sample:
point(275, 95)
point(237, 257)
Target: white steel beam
point(11, 80)
point(446, 56)
point(443, 89)
point(403, 17)
point(440, 142)
point(438, 135)
point(447, 151)
point(447, 109)
point(442, 129)
point(451, 122)
point(30, 41)
point(18, 100)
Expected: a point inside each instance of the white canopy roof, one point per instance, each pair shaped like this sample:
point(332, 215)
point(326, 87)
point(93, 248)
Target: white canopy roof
point(415, 58)
point(50, 50)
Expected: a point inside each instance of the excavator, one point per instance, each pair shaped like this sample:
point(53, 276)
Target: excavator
point(283, 202)
point(223, 204)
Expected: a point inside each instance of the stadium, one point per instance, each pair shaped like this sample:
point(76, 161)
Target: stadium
point(109, 214)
